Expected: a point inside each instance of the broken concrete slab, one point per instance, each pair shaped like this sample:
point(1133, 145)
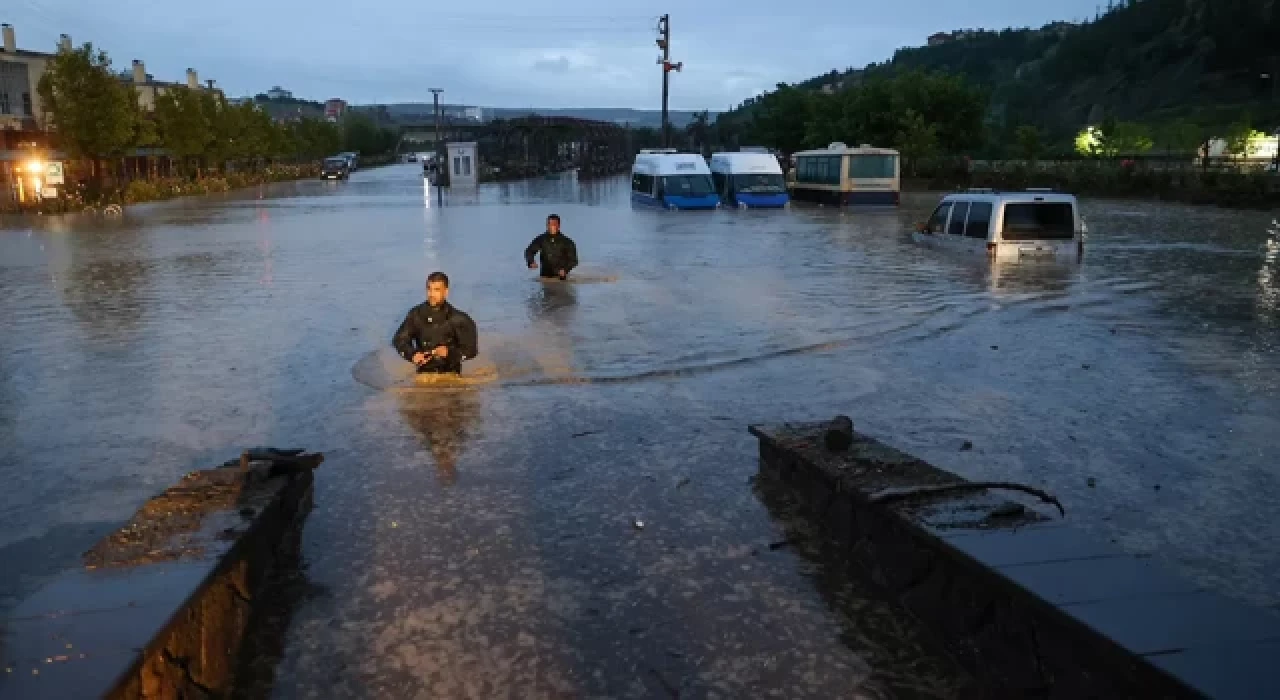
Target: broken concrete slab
point(160, 607)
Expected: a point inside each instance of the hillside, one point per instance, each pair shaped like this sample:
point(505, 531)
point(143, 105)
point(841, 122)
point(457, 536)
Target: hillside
point(650, 118)
point(1151, 61)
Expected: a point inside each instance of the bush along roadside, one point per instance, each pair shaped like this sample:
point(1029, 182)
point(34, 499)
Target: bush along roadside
point(168, 188)
point(1240, 190)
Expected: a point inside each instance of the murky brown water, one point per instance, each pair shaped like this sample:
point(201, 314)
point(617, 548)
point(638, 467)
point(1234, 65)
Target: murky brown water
point(485, 536)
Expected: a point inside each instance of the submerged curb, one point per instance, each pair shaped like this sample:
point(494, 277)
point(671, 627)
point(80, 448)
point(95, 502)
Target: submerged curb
point(161, 607)
point(1029, 605)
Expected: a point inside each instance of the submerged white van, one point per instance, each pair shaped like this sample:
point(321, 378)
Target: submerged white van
point(666, 178)
point(750, 177)
point(1021, 225)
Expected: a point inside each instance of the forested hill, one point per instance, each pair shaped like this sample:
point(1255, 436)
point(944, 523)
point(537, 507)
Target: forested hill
point(1149, 61)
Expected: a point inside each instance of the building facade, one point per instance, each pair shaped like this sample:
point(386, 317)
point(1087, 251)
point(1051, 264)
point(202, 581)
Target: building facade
point(334, 108)
point(148, 88)
point(20, 72)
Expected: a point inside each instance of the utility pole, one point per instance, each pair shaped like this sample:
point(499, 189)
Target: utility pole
point(435, 98)
point(664, 43)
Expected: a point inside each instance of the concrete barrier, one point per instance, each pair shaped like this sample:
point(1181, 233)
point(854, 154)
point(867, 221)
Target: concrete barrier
point(1028, 604)
point(161, 607)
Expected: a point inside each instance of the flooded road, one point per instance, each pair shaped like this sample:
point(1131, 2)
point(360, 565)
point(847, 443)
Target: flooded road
point(470, 541)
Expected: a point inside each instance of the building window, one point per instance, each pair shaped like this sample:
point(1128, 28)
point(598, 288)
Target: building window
point(26, 104)
point(466, 166)
point(457, 165)
point(4, 103)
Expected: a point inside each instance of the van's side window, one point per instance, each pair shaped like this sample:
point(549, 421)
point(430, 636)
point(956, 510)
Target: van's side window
point(642, 183)
point(938, 222)
point(979, 220)
point(958, 214)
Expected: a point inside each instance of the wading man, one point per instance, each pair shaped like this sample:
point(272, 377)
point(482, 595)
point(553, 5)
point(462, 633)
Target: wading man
point(435, 336)
point(558, 253)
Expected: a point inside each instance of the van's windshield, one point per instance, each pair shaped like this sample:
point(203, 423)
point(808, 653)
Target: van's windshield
point(687, 186)
point(759, 183)
point(1039, 221)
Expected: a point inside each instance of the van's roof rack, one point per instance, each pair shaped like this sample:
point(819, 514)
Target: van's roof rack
point(658, 150)
point(1041, 189)
point(981, 190)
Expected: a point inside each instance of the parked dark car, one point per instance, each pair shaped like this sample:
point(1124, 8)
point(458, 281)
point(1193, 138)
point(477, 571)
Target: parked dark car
point(335, 168)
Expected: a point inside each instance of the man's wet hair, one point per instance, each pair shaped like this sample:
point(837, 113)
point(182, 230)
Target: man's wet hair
point(554, 216)
point(438, 277)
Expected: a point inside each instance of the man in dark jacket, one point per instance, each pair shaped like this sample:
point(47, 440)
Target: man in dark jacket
point(559, 254)
point(434, 335)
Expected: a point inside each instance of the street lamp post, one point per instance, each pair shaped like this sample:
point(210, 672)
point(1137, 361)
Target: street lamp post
point(435, 98)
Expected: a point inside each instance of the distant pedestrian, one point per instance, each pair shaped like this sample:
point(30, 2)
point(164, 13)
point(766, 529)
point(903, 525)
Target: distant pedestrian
point(557, 251)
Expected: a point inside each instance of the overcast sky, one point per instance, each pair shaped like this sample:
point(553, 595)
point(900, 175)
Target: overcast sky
point(502, 53)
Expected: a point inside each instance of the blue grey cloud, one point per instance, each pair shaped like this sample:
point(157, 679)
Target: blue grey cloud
point(570, 53)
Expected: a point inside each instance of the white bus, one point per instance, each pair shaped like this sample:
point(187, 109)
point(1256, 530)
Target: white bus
point(749, 178)
point(848, 177)
point(666, 178)
point(1007, 226)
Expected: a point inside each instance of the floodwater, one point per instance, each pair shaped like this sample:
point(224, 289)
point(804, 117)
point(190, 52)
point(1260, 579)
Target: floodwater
point(471, 540)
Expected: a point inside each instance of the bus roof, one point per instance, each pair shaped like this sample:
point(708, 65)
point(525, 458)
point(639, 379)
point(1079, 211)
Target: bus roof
point(670, 164)
point(838, 148)
point(750, 162)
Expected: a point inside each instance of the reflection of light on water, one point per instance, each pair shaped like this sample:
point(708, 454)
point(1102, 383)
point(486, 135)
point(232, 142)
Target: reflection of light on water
point(1268, 293)
point(264, 244)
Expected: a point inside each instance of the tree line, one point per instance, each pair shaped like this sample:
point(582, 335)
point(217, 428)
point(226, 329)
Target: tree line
point(96, 115)
point(920, 114)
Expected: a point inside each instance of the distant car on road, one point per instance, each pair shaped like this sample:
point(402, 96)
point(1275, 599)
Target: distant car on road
point(353, 159)
point(335, 168)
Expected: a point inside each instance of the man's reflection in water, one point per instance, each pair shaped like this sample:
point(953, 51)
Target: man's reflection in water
point(553, 300)
point(445, 419)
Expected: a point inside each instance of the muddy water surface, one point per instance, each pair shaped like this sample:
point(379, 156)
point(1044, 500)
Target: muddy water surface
point(477, 540)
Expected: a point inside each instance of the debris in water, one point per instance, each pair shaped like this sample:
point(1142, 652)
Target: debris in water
point(1157, 487)
point(1092, 482)
point(1008, 510)
point(1085, 366)
point(966, 446)
point(638, 523)
point(395, 524)
point(685, 482)
point(995, 347)
point(781, 543)
point(584, 433)
point(839, 434)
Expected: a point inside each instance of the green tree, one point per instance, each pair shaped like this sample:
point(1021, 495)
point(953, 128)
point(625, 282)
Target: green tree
point(94, 114)
point(1128, 138)
point(698, 131)
point(916, 139)
point(1028, 139)
point(781, 118)
point(1178, 136)
point(185, 128)
point(362, 135)
point(1237, 136)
